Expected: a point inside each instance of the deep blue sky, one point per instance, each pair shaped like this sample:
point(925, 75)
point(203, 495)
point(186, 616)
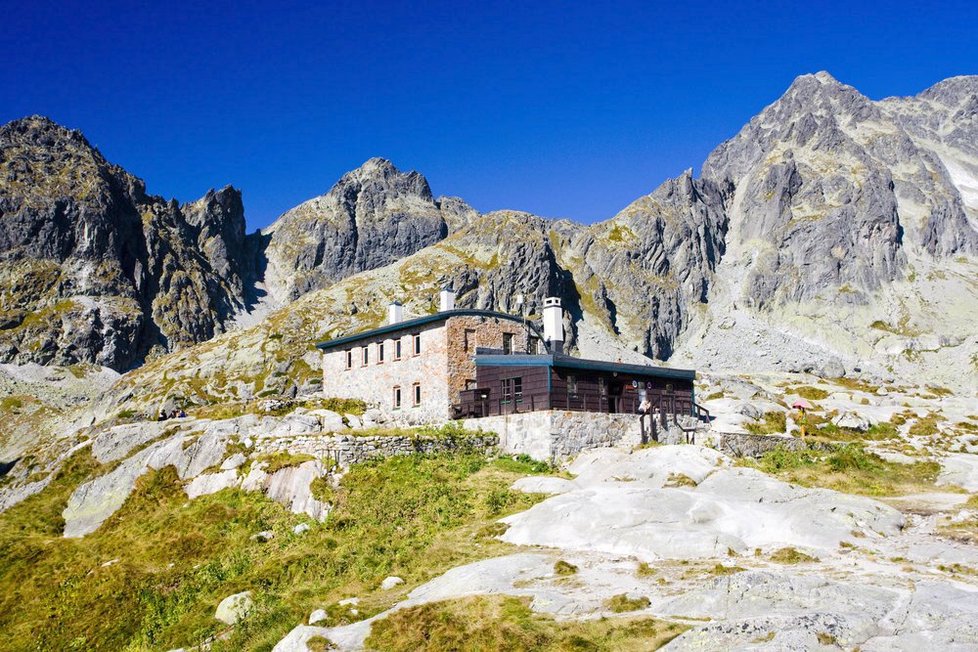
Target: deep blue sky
point(562, 110)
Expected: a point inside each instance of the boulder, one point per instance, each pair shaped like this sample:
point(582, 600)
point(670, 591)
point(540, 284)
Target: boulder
point(317, 616)
point(852, 421)
point(390, 582)
point(263, 537)
point(234, 607)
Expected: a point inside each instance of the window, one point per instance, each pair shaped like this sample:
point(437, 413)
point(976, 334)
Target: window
point(469, 340)
point(513, 389)
point(668, 388)
point(533, 344)
point(602, 385)
point(397, 397)
point(417, 393)
point(380, 353)
point(471, 383)
point(507, 343)
point(397, 349)
point(572, 385)
point(365, 355)
point(417, 343)
point(349, 358)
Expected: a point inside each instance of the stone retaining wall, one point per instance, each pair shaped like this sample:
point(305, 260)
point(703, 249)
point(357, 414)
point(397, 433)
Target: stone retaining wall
point(349, 449)
point(749, 445)
point(552, 435)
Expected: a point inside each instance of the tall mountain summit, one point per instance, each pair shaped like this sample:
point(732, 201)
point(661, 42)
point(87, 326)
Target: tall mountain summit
point(832, 230)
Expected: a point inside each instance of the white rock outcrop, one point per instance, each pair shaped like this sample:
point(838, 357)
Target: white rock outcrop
point(234, 607)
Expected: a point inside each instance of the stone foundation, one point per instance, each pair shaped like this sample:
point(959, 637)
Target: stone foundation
point(554, 435)
point(348, 449)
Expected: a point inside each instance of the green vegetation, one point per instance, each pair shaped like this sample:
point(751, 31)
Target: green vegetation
point(848, 468)
point(791, 556)
point(620, 233)
point(523, 464)
point(232, 409)
point(679, 480)
point(507, 623)
point(152, 575)
point(562, 568)
point(644, 570)
point(810, 393)
point(621, 603)
point(926, 426)
point(281, 460)
point(721, 570)
point(774, 423)
point(821, 428)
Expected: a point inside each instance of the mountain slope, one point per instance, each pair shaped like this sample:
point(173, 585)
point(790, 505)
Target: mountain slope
point(371, 217)
point(96, 270)
point(850, 239)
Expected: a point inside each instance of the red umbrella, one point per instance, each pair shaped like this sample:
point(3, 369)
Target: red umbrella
point(801, 404)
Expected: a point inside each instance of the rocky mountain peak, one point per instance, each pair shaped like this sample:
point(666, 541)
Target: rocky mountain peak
point(954, 90)
point(380, 175)
point(373, 216)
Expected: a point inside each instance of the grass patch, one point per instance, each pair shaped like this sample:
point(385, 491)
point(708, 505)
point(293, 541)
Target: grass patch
point(232, 409)
point(721, 570)
point(848, 468)
point(621, 603)
point(507, 623)
point(810, 393)
point(679, 480)
point(410, 516)
point(523, 464)
point(562, 567)
point(644, 570)
point(774, 423)
point(926, 426)
point(281, 460)
point(791, 556)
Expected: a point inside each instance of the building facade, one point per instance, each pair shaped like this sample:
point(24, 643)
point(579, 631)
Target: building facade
point(415, 370)
point(479, 363)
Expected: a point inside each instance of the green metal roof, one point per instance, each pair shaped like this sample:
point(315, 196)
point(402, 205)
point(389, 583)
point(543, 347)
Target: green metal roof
point(570, 362)
point(409, 324)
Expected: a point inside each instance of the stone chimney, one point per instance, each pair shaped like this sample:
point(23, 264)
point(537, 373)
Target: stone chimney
point(395, 312)
point(553, 324)
point(446, 299)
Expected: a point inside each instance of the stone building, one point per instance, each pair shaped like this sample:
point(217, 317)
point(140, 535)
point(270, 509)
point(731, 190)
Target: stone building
point(414, 370)
point(480, 363)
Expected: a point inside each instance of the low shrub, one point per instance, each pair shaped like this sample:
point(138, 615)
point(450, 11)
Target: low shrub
point(621, 603)
point(562, 567)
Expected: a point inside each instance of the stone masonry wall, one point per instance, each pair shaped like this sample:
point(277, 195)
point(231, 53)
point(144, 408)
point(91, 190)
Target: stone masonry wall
point(349, 449)
point(375, 382)
point(488, 333)
point(555, 434)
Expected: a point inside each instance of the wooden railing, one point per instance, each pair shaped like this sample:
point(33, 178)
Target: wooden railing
point(473, 404)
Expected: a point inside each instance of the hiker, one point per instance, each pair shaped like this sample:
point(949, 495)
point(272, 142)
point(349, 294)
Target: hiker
point(645, 406)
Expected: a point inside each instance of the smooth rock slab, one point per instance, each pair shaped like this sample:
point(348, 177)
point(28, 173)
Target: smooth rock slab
point(622, 505)
point(960, 469)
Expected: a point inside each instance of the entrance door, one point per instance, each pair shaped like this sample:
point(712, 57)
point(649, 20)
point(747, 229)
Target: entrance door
point(614, 397)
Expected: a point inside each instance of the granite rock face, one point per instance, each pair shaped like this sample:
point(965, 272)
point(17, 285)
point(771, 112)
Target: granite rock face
point(373, 216)
point(95, 269)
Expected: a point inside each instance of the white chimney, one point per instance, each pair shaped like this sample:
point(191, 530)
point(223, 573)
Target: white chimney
point(553, 324)
point(395, 313)
point(446, 299)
